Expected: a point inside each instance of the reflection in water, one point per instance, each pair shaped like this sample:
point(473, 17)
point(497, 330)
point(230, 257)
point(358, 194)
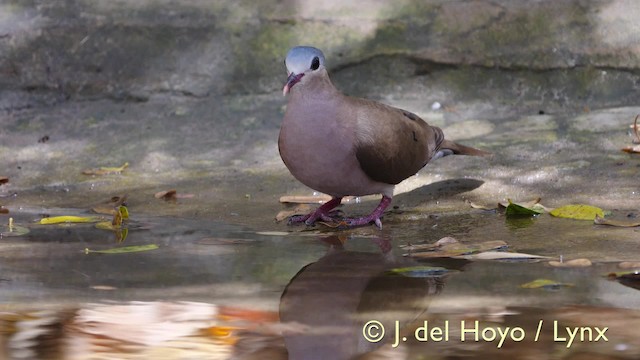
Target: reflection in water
point(323, 310)
point(332, 298)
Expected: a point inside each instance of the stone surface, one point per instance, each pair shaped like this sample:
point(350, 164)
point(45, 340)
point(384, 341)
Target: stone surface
point(188, 92)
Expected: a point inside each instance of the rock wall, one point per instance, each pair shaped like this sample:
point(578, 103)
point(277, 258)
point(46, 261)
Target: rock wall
point(131, 49)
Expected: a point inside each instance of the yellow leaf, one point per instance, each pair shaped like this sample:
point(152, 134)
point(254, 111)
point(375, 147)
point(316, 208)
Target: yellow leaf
point(106, 170)
point(124, 249)
point(578, 212)
point(544, 283)
point(68, 219)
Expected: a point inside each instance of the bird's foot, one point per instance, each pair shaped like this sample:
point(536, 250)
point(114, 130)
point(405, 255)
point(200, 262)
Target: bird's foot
point(374, 217)
point(311, 218)
point(332, 218)
point(365, 220)
point(324, 213)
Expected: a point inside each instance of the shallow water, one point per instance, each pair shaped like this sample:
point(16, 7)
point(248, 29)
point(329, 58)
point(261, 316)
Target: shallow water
point(216, 290)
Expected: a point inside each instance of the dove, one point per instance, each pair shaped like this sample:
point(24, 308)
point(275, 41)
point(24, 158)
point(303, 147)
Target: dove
point(347, 146)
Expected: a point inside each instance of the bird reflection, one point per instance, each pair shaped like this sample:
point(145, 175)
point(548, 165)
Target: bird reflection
point(335, 296)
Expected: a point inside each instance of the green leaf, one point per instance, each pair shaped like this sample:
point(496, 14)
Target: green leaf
point(420, 271)
point(545, 284)
point(124, 212)
point(124, 249)
point(514, 209)
point(578, 212)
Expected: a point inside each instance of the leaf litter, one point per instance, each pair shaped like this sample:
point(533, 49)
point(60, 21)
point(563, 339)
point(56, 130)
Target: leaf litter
point(106, 170)
point(450, 247)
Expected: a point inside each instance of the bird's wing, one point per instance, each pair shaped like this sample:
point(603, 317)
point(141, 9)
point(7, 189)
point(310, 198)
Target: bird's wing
point(391, 144)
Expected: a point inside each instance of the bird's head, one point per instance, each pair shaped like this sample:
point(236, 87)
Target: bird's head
point(301, 61)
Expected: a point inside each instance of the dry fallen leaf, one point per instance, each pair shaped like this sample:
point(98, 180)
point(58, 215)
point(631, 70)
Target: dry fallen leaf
point(167, 195)
point(458, 249)
point(444, 241)
point(571, 263)
point(477, 206)
point(297, 199)
point(611, 222)
point(171, 195)
point(223, 241)
point(629, 265)
point(632, 149)
point(106, 170)
point(300, 209)
point(500, 255)
point(110, 206)
point(635, 130)
point(3, 180)
point(104, 287)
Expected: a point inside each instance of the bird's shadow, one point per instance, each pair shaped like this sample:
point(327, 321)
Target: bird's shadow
point(437, 191)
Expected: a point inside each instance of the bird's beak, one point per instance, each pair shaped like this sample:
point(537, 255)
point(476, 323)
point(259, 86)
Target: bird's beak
point(291, 80)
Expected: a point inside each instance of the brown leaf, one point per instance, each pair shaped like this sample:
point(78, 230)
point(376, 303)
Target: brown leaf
point(167, 195)
point(223, 241)
point(477, 206)
point(631, 149)
point(104, 287)
point(635, 130)
point(571, 263)
point(629, 265)
point(611, 222)
point(110, 206)
point(502, 255)
point(300, 209)
point(297, 199)
point(426, 247)
point(457, 249)
point(3, 180)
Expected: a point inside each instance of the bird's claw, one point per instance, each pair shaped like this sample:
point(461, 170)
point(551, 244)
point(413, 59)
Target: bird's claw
point(351, 223)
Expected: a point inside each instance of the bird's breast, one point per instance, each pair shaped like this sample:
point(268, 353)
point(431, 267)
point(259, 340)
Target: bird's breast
point(317, 144)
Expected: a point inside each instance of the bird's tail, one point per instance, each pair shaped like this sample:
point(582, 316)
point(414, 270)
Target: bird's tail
point(450, 148)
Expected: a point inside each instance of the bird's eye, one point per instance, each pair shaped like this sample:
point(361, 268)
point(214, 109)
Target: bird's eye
point(315, 63)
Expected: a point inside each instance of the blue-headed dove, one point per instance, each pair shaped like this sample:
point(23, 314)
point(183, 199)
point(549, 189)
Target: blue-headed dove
point(341, 145)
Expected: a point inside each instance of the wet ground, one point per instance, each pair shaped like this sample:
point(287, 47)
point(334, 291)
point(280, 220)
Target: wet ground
point(227, 281)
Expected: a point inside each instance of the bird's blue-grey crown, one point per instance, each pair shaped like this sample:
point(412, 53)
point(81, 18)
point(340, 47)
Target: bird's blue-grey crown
point(303, 58)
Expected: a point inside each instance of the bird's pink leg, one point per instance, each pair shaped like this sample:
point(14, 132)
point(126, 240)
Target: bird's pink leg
point(321, 213)
point(373, 217)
